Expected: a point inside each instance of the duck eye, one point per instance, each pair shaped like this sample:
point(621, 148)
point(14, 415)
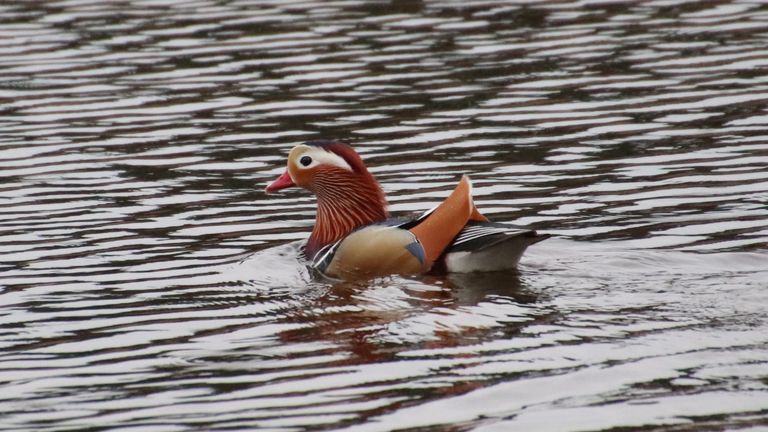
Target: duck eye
point(305, 160)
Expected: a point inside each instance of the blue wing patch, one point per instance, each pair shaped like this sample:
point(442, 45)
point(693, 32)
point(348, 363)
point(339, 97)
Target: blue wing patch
point(416, 250)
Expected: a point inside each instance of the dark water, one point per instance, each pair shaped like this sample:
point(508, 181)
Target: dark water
point(147, 282)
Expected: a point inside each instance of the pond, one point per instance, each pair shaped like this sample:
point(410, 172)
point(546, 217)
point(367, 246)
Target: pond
point(148, 282)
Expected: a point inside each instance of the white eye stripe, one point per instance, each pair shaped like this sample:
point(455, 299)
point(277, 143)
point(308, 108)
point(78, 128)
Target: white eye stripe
point(321, 157)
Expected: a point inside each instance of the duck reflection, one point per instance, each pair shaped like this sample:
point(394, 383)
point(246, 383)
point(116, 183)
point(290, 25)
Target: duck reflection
point(472, 288)
point(373, 321)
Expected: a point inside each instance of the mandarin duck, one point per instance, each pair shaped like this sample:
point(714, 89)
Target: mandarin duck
point(354, 236)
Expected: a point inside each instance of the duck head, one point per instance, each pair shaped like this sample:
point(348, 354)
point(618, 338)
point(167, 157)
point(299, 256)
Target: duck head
point(317, 161)
point(348, 196)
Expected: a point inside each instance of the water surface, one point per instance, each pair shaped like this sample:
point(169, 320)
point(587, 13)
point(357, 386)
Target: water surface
point(147, 282)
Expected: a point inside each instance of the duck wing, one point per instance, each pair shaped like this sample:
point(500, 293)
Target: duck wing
point(488, 246)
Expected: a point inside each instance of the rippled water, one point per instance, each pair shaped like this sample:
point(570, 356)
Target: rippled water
point(147, 282)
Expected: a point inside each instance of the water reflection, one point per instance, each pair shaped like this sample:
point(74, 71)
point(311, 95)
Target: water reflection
point(370, 319)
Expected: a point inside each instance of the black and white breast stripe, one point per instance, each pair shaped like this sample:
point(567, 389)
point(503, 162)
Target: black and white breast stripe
point(324, 256)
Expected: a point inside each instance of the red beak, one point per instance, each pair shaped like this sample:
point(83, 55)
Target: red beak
point(282, 182)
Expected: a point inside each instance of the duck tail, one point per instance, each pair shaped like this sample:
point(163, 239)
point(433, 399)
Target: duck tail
point(437, 231)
